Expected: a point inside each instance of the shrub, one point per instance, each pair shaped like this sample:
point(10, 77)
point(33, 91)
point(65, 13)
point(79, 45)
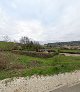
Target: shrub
point(7, 64)
point(3, 62)
point(35, 54)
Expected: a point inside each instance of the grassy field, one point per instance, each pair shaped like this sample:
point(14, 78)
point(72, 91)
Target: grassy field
point(12, 65)
point(70, 51)
point(6, 45)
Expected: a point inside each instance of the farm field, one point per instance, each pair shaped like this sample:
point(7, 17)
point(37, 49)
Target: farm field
point(13, 65)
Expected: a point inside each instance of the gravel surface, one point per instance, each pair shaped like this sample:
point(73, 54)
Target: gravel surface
point(39, 83)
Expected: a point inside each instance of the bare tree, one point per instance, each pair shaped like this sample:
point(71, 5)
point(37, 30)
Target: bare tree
point(6, 38)
point(24, 40)
point(26, 43)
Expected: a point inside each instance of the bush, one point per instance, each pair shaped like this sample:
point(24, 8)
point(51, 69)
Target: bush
point(7, 64)
point(3, 62)
point(35, 54)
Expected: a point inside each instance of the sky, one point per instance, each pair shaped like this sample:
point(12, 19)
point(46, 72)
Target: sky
point(41, 20)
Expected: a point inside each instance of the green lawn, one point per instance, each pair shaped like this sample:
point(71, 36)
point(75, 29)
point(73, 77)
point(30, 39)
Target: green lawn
point(20, 65)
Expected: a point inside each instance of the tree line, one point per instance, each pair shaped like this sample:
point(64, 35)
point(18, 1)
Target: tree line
point(24, 43)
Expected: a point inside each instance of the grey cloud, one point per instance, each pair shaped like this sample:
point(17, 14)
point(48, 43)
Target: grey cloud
point(61, 18)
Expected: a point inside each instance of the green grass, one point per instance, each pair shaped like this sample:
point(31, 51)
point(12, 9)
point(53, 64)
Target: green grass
point(39, 66)
point(73, 51)
point(6, 45)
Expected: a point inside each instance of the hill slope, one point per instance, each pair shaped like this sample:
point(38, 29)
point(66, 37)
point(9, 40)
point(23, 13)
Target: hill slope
point(6, 45)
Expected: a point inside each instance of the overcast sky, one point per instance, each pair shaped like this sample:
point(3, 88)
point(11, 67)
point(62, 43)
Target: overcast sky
point(42, 20)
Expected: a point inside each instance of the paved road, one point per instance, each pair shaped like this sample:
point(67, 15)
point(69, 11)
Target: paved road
point(75, 88)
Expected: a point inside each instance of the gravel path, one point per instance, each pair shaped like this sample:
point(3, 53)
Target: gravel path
point(39, 83)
